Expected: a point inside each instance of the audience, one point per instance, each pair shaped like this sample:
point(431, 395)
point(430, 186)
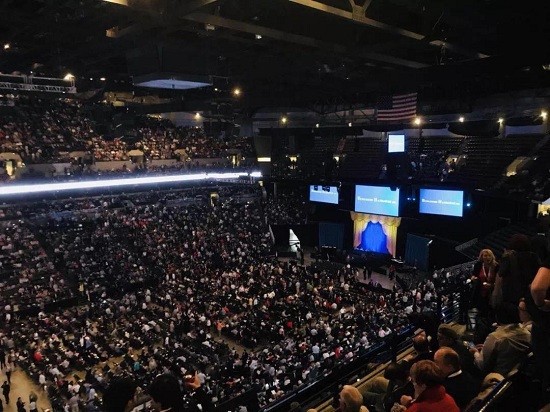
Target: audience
point(63, 130)
point(351, 400)
point(429, 393)
point(539, 309)
point(507, 346)
point(518, 268)
point(459, 384)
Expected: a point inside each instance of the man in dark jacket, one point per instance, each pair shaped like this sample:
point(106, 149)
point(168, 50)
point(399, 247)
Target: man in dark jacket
point(459, 384)
point(6, 388)
point(447, 336)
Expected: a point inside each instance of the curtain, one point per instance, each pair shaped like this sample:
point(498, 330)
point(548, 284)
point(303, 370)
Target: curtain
point(331, 234)
point(369, 231)
point(417, 251)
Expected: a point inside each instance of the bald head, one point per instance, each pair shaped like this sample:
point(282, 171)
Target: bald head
point(350, 399)
point(447, 360)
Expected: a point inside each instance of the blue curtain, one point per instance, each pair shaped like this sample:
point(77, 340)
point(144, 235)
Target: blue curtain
point(374, 239)
point(417, 251)
point(331, 234)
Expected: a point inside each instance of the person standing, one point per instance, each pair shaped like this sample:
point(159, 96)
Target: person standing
point(33, 407)
point(20, 405)
point(484, 278)
point(2, 359)
point(8, 373)
point(538, 305)
point(6, 391)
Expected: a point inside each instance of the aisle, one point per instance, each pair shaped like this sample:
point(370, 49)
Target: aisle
point(22, 385)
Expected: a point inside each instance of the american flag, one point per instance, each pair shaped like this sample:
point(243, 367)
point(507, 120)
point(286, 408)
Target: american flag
point(399, 107)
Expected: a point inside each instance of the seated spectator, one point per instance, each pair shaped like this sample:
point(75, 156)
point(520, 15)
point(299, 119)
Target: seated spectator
point(351, 400)
point(422, 347)
point(447, 336)
point(430, 395)
point(488, 384)
point(507, 346)
point(459, 384)
point(382, 393)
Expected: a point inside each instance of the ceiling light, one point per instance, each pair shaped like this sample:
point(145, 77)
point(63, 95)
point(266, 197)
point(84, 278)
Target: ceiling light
point(102, 79)
point(461, 119)
point(317, 125)
point(197, 115)
point(236, 91)
point(68, 76)
point(543, 114)
point(350, 124)
point(215, 89)
point(6, 46)
point(284, 119)
point(258, 37)
point(500, 120)
point(417, 121)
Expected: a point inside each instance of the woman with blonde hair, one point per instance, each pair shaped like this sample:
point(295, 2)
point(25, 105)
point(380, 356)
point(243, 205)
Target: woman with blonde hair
point(484, 276)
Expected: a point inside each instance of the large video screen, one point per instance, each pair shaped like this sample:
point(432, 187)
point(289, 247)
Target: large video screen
point(379, 200)
point(396, 143)
point(441, 202)
point(323, 194)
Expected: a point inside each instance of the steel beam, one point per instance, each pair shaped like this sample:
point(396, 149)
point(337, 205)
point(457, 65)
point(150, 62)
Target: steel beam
point(298, 39)
point(358, 16)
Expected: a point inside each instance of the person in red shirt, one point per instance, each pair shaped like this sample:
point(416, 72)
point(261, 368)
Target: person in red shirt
point(430, 395)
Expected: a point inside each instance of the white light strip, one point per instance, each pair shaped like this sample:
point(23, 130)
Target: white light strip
point(6, 190)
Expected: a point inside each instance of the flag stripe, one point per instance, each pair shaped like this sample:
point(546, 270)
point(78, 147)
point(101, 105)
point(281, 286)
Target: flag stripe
point(398, 111)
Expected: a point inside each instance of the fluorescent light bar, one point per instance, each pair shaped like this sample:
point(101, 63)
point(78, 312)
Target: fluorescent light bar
point(121, 2)
point(6, 190)
point(264, 159)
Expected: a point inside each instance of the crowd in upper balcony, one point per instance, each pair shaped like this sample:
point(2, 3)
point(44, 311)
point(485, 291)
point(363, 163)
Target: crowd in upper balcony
point(50, 130)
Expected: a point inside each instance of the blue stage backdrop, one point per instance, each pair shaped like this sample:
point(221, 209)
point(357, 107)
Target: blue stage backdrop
point(374, 239)
point(375, 233)
point(417, 251)
point(331, 234)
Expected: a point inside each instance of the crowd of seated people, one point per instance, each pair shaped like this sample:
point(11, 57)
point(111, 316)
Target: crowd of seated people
point(28, 277)
point(286, 209)
point(47, 131)
point(160, 284)
point(512, 293)
point(40, 131)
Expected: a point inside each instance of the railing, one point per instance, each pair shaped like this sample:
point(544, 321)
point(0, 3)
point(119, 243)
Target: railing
point(37, 84)
point(325, 387)
point(466, 245)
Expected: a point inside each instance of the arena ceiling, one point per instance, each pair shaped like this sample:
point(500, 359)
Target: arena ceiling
point(283, 52)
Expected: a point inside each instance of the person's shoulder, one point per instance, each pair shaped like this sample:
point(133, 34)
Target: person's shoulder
point(447, 404)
